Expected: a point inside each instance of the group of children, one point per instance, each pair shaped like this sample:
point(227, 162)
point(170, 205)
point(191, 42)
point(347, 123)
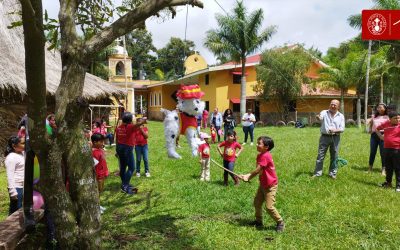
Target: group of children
point(230, 150)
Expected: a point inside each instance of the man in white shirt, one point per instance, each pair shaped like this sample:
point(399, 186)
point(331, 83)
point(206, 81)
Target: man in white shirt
point(332, 125)
point(248, 121)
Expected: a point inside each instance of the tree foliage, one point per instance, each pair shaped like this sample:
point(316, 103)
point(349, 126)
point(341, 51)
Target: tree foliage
point(237, 36)
point(170, 59)
point(281, 74)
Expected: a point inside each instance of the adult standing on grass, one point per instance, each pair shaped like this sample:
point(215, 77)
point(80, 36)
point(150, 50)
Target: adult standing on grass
point(216, 120)
point(332, 125)
point(378, 118)
point(248, 121)
point(229, 121)
point(125, 135)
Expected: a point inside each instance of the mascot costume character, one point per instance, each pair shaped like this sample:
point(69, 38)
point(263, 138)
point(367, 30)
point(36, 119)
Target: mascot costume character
point(183, 120)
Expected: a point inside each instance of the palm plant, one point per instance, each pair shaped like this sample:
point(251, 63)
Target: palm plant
point(381, 68)
point(334, 78)
point(355, 22)
point(237, 37)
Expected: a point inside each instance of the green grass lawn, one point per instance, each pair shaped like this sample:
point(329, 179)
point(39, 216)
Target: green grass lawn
point(174, 210)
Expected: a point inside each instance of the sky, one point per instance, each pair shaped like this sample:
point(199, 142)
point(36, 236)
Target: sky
point(318, 23)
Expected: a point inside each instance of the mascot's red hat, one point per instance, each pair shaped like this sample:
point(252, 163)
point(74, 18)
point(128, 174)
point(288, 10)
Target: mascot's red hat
point(190, 92)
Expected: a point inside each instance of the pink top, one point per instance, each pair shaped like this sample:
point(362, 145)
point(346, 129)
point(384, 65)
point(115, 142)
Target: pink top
point(377, 121)
point(268, 177)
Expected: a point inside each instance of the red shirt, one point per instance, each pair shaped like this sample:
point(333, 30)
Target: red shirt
point(204, 150)
point(125, 134)
point(392, 135)
point(230, 150)
point(213, 132)
point(96, 131)
point(139, 137)
point(268, 177)
point(101, 167)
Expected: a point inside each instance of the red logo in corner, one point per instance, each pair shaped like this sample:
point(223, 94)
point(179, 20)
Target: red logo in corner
point(380, 25)
point(376, 24)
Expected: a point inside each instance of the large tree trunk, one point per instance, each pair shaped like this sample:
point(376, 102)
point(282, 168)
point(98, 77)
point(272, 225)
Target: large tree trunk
point(243, 88)
point(76, 214)
point(359, 111)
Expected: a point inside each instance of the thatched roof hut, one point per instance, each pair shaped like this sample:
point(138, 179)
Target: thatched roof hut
point(12, 74)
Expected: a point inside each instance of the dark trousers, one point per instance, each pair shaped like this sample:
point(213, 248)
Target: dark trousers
point(16, 204)
point(226, 129)
point(218, 128)
point(126, 163)
point(376, 142)
point(229, 165)
point(247, 130)
point(142, 151)
point(392, 164)
point(110, 138)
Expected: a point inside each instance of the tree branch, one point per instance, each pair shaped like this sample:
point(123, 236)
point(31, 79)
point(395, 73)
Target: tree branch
point(66, 18)
point(133, 19)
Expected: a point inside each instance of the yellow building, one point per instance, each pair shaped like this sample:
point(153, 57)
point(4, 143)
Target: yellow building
point(120, 69)
point(221, 85)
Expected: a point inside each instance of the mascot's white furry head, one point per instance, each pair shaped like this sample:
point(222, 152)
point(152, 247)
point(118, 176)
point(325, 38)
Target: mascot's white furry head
point(183, 121)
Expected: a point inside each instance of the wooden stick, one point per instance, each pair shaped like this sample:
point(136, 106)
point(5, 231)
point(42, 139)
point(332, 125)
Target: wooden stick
point(226, 169)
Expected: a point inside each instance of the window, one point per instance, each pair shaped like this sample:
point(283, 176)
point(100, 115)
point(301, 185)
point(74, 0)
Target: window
point(207, 79)
point(151, 99)
point(155, 99)
point(207, 105)
point(237, 79)
point(236, 107)
point(120, 69)
point(159, 99)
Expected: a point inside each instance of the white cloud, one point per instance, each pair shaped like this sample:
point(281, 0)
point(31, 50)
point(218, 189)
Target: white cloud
point(318, 23)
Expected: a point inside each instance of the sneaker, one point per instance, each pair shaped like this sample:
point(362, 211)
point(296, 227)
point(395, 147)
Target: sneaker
point(280, 226)
point(251, 144)
point(386, 185)
point(398, 189)
point(315, 176)
point(256, 224)
point(147, 174)
point(243, 143)
point(383, 172)
point(138, 174)
point(102, 208)
point(128, 190)
point(332, 176)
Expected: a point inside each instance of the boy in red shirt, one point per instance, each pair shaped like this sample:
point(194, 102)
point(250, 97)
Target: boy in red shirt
point(230, 155)
point(100, 161)
point(268, 183)
point(204, 153)
point(391, 144)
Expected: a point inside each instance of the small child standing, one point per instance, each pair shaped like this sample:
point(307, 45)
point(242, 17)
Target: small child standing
point(15, 167)
point(101, 164)
point(268, 183)
point(204, 150)
point(391, 145)
point(229, 155)
point(141, 148)
point(213, 132)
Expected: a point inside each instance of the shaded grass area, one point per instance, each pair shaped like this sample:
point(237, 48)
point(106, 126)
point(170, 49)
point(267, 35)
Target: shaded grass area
point(174, 210)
